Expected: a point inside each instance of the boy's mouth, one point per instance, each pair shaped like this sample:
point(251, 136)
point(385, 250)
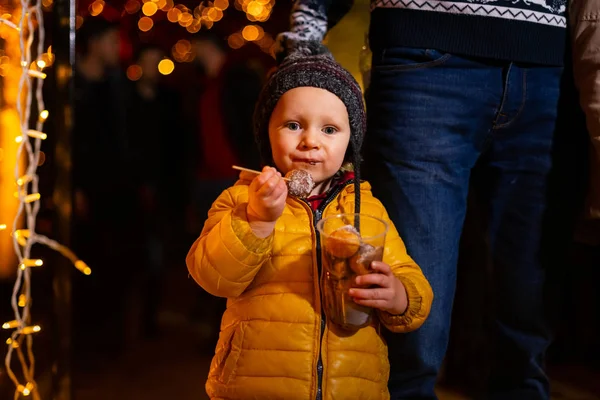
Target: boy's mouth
point(306, 161)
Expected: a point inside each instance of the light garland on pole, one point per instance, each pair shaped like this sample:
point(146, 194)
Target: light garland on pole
point(21, 340)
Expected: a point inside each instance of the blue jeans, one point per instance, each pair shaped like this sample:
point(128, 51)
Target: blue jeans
point(431, 117)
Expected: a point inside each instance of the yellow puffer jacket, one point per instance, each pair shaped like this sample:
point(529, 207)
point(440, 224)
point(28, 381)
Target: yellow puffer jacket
point(271, 345)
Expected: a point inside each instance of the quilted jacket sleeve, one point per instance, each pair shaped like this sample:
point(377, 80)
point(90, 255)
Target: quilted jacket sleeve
point(227, 255)
point(420, 295)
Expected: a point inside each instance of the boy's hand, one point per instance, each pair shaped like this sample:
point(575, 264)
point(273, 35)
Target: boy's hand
point(266, 200)
point(389, 295)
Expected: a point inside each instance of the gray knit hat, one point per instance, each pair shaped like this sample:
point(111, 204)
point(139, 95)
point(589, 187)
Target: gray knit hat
point(312, 65)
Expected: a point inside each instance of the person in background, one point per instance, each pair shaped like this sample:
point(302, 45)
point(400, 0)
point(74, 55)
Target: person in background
point(100, 114)
point(229, 89)
point(585, 32)
point(585, 26)
point(155, 130)
point(452, 85)
point(103, 200)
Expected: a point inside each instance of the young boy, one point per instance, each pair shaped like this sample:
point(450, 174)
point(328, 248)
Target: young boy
point(259, 249)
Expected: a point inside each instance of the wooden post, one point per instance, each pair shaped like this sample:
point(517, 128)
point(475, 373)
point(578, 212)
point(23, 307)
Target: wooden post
point(63, 45)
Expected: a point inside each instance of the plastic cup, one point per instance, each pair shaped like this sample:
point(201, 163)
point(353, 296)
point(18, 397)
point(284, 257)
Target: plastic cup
point(346, 253)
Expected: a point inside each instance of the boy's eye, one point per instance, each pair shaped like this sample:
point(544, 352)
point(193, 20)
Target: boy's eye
point(293, 126)
point(330, 130)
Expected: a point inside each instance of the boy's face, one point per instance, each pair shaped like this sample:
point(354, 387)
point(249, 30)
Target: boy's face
point(309, 129)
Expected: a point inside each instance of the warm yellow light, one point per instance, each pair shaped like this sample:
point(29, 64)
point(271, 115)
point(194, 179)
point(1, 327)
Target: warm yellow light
point(261, 32)
point(82, 266)
point(2, 227)
point(250, 33)
point(41, 64)
point(19, 139)
point(132, 6)
point(22, 235)
point(149, 9)
point(235, 41)
point(22, 232)
point(10, 324)
point(12, 343)
point(263, 16)
point(166, 66)
point(24, 179)
point(24, 390)
point(96, 8)
point(145, 24)
point(221, 4)
point(36, 134)
point(44, 115)
point(30, 198)
point(194, 27)
point(214, 14)
point(174, 14)
point(183, 46)
point(28, 263)
point(48, 59)
point(28, 330)
point(255, 8)
point(186, 19)
point(22, 300)
point(22, 241)
point(36, 74)
point(134, 72)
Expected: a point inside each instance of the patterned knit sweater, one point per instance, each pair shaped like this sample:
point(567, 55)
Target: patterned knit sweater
point(527, 31)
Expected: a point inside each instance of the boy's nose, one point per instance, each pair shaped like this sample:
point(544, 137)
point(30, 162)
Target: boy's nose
point(310, 140)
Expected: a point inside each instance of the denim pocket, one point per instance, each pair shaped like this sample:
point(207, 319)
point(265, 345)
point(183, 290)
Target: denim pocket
point(408, 58)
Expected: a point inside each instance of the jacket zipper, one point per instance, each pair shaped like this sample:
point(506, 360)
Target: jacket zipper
point(317, 217)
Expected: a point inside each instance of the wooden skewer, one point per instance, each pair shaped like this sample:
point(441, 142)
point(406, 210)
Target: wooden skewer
point(252, 171)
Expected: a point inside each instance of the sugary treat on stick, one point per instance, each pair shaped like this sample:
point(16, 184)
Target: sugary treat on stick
point(300, 183)
point(344, 242)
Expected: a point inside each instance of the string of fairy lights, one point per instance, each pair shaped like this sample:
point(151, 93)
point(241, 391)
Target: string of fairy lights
point(30, 28)
point(28, 23)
